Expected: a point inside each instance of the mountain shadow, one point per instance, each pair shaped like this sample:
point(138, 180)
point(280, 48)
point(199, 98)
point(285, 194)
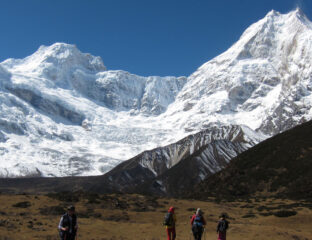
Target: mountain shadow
point(278, 167)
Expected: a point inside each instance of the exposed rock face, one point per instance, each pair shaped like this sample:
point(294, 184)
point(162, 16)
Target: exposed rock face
point(3, 138)
point(47, 106)
point(170, 170)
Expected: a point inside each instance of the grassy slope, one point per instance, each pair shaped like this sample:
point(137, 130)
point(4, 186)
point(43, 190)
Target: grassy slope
point(138, 217)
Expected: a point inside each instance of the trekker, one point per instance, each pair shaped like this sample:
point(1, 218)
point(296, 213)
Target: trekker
point(68, 225)
point(198, 224)
point(170, 222)
point(223, 225)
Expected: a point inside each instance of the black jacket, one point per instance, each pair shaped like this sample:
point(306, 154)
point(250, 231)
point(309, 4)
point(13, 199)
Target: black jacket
point(66, 223)
point(223, 225)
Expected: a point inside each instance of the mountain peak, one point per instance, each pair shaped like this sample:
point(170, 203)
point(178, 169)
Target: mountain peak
point(271, 58)
point(59, 50)
point(56, 61)
point(265, 37)
point(299, 12)
point(273, 13)
point(300, 15)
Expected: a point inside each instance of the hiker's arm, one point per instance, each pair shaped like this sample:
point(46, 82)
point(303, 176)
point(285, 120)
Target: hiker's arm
point(204, 221)
point(192, 220)
point(76, 227)
point(218, 227)
point(60, 225)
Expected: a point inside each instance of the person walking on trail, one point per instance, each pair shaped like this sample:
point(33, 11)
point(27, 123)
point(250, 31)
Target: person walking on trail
point(170, 223)
point(198, 223)
point(222, 227)
point(68, 225)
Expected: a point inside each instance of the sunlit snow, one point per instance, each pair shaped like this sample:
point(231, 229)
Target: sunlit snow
point(63, 113)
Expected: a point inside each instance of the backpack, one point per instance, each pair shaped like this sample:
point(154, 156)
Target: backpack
point(223, 225)
point(198, 221)
point(168, 220)
point(197, 224)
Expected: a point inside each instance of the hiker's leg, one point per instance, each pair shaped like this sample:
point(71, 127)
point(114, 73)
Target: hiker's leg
point(222, 236)
point(71, 237)
point(62, 235)
point(194, 234)
point(200, 233)
point(169, 233)
point(173, 233)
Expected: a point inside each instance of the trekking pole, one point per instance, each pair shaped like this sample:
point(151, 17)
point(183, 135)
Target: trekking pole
point(204, 233)
point(191, 235)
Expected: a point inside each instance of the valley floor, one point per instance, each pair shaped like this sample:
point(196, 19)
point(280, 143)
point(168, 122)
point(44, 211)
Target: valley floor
point(139, 217)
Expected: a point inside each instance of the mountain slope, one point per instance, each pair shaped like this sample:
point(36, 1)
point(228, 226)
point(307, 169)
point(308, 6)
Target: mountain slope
point(64, 114)
point(165, 171)
point(280, 166)
point(262, 81)
point(277, 167)
point(168, 170)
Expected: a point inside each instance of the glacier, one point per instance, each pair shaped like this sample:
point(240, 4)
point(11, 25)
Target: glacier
point(64, 114)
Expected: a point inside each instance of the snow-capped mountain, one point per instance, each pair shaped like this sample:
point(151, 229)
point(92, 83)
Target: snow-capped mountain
point(263, 81)
point(63, 113)
point(164, 171)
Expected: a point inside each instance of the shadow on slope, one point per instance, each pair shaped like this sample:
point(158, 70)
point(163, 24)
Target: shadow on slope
point(280, 166)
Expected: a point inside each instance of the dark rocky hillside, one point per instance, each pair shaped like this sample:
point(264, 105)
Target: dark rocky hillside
point(171, 169)
point(280, 166)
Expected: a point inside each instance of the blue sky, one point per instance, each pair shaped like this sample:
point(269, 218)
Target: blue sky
point(145, 37)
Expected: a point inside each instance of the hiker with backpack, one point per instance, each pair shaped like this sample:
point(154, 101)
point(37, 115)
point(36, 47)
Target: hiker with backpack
point(223, 225)
point(170, 222)
point(198, 223)
point(68, 225)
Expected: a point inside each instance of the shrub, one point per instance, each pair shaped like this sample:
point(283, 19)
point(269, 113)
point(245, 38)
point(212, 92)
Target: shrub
point(285, 213)
point(266, 214)
point(25, 204)
point(53, 210)
point(191, 209)
point(249, 215)
point(92, 198)
point(64, 196)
